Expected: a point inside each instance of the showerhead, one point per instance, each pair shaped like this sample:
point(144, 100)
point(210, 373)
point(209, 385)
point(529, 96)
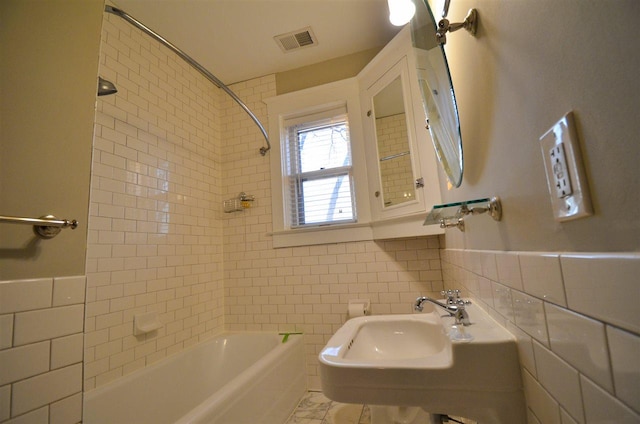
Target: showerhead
point(106, 87)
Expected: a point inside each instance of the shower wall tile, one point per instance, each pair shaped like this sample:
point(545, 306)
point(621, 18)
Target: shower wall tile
point(41, 350)
point(155, 228)
point(304, 288)
point(574, 356)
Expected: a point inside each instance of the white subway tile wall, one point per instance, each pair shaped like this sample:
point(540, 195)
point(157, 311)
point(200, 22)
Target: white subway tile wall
point(155, 233)
point(579, 363)
point(303, 288)
point(164, 160)
point(41, 324)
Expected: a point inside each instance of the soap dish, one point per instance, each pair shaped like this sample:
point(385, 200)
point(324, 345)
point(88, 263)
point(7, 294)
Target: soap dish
point(145, 323)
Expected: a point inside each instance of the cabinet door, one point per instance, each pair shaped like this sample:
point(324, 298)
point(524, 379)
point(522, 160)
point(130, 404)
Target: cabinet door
point(396, 183)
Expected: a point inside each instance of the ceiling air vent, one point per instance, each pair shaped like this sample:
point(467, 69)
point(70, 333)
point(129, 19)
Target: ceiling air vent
point(296, 40)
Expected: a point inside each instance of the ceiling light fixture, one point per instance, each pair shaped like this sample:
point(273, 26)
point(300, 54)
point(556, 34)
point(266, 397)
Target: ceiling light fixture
point(401, 11)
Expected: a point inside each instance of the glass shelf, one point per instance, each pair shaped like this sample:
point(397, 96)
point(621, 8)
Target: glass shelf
point(457, 210)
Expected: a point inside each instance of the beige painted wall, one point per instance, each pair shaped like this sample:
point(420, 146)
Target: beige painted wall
point(49, 55)
point(531, 63)
point(324, 72)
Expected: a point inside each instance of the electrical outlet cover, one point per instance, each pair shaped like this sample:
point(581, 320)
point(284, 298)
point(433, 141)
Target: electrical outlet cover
point(565, 168)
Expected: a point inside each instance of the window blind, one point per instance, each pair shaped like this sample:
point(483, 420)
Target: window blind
point(319, 182)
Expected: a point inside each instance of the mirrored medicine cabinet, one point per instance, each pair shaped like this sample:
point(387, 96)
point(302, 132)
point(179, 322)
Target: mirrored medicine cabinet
point(402, 168)
point(397, 182)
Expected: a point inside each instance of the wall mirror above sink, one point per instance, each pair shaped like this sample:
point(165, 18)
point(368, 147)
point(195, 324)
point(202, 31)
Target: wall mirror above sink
point(436, 87)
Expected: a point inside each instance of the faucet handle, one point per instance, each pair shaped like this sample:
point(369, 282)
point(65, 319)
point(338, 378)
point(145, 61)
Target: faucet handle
point(452, 296)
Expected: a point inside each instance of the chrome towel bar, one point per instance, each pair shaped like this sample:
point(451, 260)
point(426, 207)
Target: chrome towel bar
point(46, 226)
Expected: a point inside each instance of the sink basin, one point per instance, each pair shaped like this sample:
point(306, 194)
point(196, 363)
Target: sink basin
point(396, 340)
point(422, 360)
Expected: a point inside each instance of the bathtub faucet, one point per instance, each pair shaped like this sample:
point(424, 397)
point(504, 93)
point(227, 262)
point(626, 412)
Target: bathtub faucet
point(457, 311)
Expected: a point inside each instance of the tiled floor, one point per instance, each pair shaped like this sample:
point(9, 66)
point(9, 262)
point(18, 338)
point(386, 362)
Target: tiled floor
point(315, 408)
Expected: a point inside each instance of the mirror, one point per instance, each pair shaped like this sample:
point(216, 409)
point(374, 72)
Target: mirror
point(438, 97)
point(394, 153)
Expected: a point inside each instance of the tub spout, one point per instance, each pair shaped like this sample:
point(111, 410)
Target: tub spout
point(457, 311)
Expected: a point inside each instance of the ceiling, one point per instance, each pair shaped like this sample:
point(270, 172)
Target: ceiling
point(234, 39)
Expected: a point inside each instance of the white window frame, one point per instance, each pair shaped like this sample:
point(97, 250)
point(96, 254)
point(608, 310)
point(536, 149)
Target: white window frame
point(296, 177)
point(308, 102)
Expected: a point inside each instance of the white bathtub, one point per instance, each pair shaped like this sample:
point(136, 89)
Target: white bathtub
point(235, 378)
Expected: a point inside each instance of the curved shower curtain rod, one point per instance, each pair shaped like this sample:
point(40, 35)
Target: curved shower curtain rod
point(196, 65)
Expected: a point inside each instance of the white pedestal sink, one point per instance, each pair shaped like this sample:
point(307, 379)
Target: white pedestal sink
point(411, 360)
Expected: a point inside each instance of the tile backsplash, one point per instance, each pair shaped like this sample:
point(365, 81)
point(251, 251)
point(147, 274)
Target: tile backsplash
point(575, 317)
point(41, 337)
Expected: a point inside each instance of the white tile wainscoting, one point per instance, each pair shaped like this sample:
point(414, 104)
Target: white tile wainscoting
point(41, 350)
point(577, 321)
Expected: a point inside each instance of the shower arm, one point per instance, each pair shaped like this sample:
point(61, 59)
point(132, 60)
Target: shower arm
point(194, 64)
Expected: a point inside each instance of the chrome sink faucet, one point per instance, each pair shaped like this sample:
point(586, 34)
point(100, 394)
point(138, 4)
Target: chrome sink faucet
point(455, 310)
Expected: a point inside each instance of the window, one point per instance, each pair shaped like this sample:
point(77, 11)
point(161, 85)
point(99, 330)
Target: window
point(319, 185)
point(318, 168)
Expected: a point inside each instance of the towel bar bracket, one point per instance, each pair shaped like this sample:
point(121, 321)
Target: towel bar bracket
point(46, 227)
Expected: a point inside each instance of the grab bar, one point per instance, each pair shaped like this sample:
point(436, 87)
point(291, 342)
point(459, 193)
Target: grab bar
point(46, 226)
point(124, 15)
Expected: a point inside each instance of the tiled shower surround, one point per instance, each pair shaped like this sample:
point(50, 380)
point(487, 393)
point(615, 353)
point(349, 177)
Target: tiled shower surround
point(169, 149)
point(155, 233)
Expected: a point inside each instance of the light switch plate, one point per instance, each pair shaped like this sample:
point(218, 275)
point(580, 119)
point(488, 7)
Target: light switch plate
point(568, 189)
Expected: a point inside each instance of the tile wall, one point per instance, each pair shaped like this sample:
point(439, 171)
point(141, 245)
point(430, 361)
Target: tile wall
point(303, 288)
point(169, 148)
point(576, 318)
point(41, 323)
point(155, 233)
